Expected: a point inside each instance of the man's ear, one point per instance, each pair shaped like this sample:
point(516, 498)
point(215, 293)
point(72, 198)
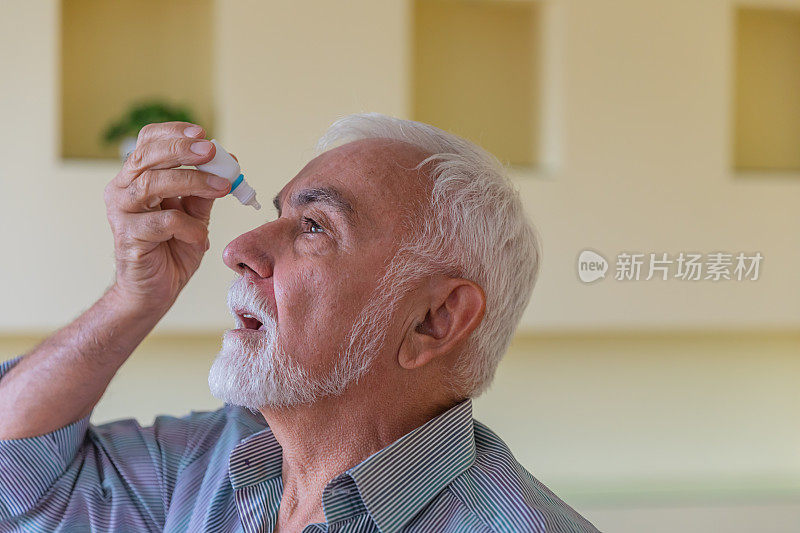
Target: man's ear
point(453, 311)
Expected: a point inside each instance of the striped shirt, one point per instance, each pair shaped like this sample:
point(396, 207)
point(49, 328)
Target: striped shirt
point(221, 471)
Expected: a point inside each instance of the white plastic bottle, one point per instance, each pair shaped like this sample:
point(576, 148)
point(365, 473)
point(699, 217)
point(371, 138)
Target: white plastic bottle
point(225, 166)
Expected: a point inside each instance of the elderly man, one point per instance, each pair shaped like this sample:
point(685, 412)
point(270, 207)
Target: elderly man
point(368, 314)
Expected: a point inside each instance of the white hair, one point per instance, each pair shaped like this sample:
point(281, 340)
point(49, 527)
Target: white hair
point(474, 227)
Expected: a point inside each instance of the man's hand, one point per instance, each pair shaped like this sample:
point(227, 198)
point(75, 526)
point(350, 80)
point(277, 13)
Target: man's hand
point(159, 214)
point(159, 240)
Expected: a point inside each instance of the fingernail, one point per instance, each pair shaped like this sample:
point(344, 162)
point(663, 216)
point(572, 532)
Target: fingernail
point(192, 131)
point(208, 243)
point(201, 147)
point(218, 183)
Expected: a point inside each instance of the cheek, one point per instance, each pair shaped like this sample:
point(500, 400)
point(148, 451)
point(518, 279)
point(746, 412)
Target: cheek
point(310, 320)
point(313, 245)
point(320, 290)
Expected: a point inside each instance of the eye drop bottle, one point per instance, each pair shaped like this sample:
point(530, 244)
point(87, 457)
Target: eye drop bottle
point(225, 166)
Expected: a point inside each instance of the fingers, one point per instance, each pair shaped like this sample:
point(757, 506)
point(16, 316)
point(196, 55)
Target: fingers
point(174, 203)
point(148, 190)
point(151, 132)
point(150, 201)
point(197, 207)
point(164, 153)
point(160, 226)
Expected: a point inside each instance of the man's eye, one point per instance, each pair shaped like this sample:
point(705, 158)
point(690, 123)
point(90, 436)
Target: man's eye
point(313, 226)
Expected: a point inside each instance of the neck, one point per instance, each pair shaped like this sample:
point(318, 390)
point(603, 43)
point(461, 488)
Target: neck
point(321, 440)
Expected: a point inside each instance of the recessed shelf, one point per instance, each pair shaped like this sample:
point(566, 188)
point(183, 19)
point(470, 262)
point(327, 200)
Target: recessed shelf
point(476, 73)
point(114, 54)
point(767, 90)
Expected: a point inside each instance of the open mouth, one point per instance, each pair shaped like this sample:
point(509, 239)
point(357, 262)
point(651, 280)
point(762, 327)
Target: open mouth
point(250, 322)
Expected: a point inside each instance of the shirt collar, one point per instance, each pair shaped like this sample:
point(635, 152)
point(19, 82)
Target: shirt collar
point(399, 480)
point(394, 483)
point(255, 459)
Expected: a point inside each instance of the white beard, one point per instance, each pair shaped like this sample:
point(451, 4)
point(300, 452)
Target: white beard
point(254, 371)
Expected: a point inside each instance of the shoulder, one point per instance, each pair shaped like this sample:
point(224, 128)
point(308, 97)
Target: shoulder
point(219, 431)
point(182, 439)
point(222, 428)
point(506, 497)
point(226, 419)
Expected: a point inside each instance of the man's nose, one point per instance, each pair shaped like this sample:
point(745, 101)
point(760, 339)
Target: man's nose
point(252, 251)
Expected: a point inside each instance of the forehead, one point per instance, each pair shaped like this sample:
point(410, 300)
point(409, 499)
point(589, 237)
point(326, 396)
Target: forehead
point(376, 177)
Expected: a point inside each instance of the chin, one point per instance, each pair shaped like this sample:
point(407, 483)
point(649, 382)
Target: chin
point(253, 371)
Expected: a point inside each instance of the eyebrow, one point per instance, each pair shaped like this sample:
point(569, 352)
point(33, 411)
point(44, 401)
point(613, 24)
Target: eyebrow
point(329, 196)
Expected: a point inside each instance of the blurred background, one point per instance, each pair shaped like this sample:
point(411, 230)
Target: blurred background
point(664, 126)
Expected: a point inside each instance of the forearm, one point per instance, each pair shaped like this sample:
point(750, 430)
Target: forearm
point(63, 378)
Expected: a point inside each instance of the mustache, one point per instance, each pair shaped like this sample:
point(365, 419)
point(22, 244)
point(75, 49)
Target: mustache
point(245, 296)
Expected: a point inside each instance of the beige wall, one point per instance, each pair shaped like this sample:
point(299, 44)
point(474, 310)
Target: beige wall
point(641, 133)
point(647, 424)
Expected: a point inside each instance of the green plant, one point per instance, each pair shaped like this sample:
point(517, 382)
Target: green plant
point(142, 113)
